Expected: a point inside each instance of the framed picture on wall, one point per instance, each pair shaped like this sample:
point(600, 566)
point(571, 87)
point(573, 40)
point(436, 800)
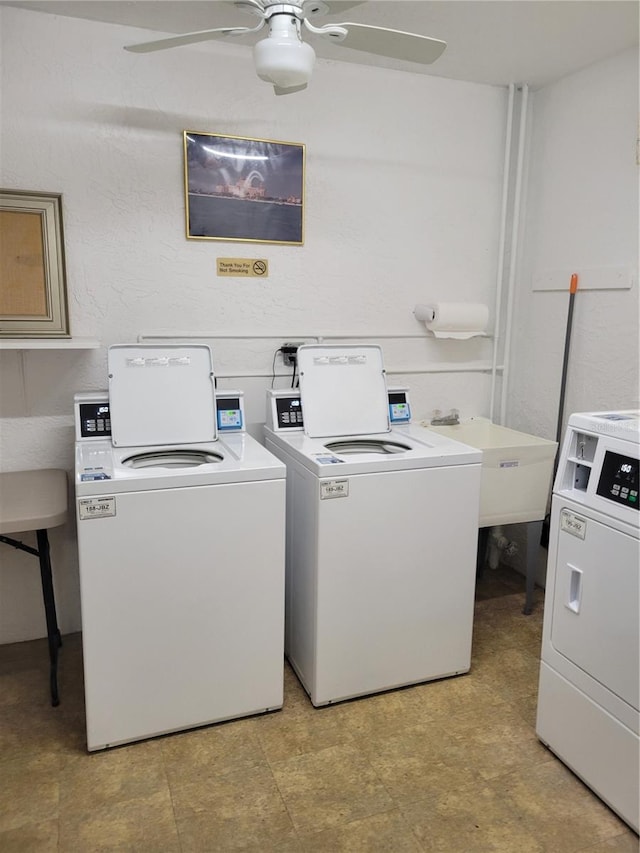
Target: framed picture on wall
point(238, 188)
point(33, 293)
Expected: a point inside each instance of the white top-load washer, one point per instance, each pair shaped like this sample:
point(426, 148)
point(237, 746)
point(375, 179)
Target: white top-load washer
point(381, 532)
point(588, 700)
point(180, 520)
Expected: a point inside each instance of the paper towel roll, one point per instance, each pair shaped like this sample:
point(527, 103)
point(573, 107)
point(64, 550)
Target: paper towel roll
point(459, 320)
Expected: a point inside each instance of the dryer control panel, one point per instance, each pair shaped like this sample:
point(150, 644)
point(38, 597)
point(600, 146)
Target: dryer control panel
point(619, 479)
point(599, 464)
point(284, 409)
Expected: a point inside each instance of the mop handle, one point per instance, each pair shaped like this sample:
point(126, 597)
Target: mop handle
point(573, 287)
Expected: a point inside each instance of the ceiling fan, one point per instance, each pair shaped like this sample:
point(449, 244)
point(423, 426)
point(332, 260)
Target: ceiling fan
point(284, 60)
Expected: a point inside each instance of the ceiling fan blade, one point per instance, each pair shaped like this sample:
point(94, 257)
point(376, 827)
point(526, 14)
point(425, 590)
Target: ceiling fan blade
point(392, 43)
point(191, 38)
point(280, 91)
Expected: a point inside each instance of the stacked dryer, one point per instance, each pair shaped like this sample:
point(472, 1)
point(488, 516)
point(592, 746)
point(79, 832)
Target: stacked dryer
point(588, 703)
point(381, 532)
point(181, 545)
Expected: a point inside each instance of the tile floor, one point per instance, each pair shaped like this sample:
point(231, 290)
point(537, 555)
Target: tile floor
point(448, 766)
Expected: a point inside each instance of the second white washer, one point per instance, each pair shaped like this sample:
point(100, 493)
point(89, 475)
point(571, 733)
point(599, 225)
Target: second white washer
point(381, 533)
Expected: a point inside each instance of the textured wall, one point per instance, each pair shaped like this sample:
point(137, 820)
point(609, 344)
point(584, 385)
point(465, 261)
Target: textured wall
point(403, 194)
point(581, 213)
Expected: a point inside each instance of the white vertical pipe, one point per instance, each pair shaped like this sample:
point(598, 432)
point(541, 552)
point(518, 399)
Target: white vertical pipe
point(515, 227)
point(502, 241)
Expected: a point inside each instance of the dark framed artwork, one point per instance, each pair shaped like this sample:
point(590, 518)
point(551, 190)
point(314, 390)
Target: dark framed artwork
point(243, 189)
point(33, 292)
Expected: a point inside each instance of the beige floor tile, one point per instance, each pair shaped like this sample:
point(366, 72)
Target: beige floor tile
point(555, 806)
point(473, 819)
point(627, 842)
point(30, 790)
point(499, 668)
point(24, 673)
point(419, 761)
point(31, 838)
point(386, 713)
point(241, 810)
point(525, 703)
point(112, 776)
point(139, 825)
point(303, 729)
point(440, 700)
point(381, 833)
point(211, 751)
point(498, 742)
point(19, 683)
point(330, 787)
point(33, 728)
point(523, 631)
point(511, 630)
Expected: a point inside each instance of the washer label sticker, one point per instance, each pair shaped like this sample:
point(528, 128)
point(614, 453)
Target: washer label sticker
point(327, 459)
point(96, 508)
point(334, 489)
point(573, 524)
point(510, 463)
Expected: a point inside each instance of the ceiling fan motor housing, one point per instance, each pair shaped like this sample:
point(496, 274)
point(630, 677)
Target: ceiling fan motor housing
point(282, 58)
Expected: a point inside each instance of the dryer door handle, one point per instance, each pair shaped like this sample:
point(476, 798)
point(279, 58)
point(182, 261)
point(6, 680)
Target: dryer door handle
point(575, 589)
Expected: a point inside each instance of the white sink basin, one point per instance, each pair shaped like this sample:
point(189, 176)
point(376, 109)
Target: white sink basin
point(516, 470)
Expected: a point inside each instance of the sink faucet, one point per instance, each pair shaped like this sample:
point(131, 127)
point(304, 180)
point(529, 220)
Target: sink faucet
point(451, 419)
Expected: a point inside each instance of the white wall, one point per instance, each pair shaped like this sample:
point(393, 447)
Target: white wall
point(403, 195)
point(581, 215)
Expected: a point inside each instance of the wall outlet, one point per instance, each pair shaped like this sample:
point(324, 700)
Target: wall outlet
point(289, 352)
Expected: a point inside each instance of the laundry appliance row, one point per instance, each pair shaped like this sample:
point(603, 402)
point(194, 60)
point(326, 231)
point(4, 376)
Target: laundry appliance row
point(182, 534)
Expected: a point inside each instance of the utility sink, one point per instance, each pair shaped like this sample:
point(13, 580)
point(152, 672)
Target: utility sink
point(516, 470)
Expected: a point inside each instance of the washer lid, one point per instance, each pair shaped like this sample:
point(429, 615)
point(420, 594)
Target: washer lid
point(161, 394)
point(343, 390)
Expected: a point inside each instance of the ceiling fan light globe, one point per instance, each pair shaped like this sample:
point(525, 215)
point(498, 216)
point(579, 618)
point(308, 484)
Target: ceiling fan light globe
point(285, 63)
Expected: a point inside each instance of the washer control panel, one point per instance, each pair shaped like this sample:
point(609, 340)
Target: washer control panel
point(93, 417)
point(289, 412)
point(95, 420)
point(284, 409)
point(230, 411)
point(399, 408)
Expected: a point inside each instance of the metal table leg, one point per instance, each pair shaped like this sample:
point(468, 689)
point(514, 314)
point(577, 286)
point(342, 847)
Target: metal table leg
point(53, 632)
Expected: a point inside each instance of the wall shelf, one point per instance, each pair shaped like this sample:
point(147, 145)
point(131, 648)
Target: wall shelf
point(49, 343)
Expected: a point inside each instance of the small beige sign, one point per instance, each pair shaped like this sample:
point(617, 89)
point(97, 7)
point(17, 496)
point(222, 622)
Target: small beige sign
point(246, 267)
